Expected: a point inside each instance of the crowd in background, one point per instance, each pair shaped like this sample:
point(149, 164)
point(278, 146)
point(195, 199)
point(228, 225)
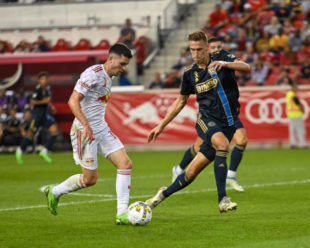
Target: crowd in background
point(273, 36)
point(15, 117)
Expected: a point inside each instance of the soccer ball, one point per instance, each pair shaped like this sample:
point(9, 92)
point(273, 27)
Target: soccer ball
point(139, 213)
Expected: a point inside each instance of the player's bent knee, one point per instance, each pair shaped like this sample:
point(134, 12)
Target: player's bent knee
point(126, 165)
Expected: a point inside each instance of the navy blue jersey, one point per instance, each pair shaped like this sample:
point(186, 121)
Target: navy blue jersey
point(40, 94)
point(217, 92)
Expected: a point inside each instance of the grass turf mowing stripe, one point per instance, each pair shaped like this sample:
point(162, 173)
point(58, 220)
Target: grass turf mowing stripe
point(144, 196)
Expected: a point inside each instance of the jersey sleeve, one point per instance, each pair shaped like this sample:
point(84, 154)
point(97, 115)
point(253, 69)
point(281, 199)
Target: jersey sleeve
point(225, 56)
point(186, 87)
point(35, 95)
point(86, 82)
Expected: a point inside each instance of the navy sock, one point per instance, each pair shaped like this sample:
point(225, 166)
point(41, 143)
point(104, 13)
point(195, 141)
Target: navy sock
point(188, 157)
point(50, 142)
point(220, 172)
point(24, 143)
point(236, 156)
point(179, 183)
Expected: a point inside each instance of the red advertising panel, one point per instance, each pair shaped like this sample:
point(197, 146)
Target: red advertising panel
point(131, 116)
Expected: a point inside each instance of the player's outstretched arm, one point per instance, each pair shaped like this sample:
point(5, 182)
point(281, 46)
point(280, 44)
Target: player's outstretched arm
point(237, 65)
point(175, 109)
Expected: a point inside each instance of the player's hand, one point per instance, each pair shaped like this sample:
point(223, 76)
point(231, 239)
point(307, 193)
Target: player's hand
point(88, 134)
point(154, 134)
point(217, 65)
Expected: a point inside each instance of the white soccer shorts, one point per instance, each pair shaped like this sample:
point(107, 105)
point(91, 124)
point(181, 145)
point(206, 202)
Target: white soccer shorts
point(85, 154)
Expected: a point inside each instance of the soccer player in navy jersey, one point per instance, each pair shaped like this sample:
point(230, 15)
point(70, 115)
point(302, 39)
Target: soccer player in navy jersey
point(240, 138)
point(213, 81)
point(40, 101)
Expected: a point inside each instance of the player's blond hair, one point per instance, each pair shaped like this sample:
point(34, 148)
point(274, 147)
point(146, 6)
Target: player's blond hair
point(198, 36)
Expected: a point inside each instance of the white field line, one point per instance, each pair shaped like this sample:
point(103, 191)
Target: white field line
point(113, 198)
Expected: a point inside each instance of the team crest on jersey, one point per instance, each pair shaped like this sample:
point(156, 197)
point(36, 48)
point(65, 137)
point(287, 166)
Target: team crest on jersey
point(90, 160)
point(196, 76)
point(104, 99)
point(206, 85)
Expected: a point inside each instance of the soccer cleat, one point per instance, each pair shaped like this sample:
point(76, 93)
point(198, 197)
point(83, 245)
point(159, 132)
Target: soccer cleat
point(19, 157)
point(158, 198)
point(52, 200)
point(226, 205)
point(232, 182)
point(121, 219)
point(175, 173)
point(45, 157)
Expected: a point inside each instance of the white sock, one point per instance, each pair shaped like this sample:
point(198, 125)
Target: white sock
point(123, 184)
point(44, 150)
point(71, 184)
point(179, 170)
point(231, 173)
point(19, 150)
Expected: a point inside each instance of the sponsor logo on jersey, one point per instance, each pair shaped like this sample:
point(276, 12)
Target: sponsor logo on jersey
point(84, 85)
point(206, 85)
point(104, 99)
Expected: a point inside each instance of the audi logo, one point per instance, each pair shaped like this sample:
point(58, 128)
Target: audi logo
point(270, 110)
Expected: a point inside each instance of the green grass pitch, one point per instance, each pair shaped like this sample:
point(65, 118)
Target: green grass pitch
point(273, 211)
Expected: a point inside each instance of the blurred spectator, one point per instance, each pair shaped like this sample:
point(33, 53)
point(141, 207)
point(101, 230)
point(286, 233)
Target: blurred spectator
point(22, 100)
point(123, 80)
point(217, 19)
point(286, 57)
point(241, 40)
point(283, 12)
point(295, 41)
point(43, 44)
point(184, 54)
point(288, 28)
point(35, 47)
point(273, 27)
point(26, 122)
point(2, 47)
point(128, 34)
point(4, 99)
point(285, 78)
point(22, 47)
point(259, 72)
point(11, 131)
point(236, 8)
point(3, 115)
point(302, 54)
point(262, 42)
point(228, 44)
point(249, 56)
point(247, 14)
point(157, 83)
point(305, 69)
point(268, 56)
point(279, 41)
point(173, 80)
point(256, 4)
point(264, 17)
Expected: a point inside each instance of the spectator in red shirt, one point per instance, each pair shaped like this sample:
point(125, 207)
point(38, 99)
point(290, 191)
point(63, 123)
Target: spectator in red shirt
point(268, 56)
point(217, 19)
point(302, 54)
point(286, 57)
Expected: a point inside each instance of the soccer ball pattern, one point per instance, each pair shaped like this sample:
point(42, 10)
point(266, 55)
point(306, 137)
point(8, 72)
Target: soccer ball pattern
point(139, 213)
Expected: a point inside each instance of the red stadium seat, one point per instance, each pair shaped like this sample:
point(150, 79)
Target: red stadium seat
point(61, 45)
point(82, 45)
point(103, 45)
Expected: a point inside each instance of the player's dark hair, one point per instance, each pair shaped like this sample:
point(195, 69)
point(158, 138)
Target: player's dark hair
point(198, 36)
point(42, 73)
point(213, 39)
point(121, 49)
